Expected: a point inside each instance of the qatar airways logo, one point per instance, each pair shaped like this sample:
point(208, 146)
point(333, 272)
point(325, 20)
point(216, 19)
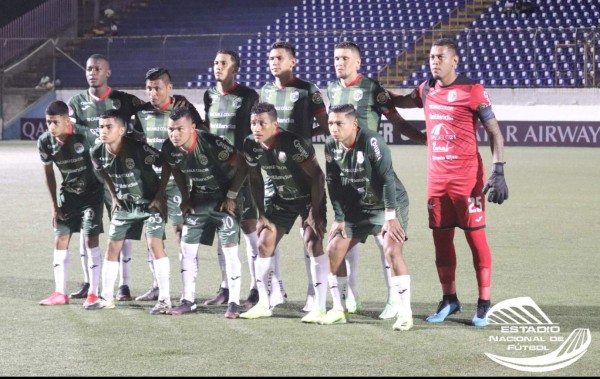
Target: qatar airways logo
point(442, 136)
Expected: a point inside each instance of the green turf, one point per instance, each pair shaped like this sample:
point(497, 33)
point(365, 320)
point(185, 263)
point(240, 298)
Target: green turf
point(544, 243)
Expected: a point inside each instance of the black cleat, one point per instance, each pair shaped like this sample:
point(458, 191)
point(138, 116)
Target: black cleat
point(123, 293)
point(82, 292)
point(222, 297)
point(252, 299)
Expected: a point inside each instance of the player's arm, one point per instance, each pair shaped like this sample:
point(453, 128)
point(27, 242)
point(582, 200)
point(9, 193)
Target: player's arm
point(496, 183)
point(404, 127)
point(57, 213)
point(404, 101)
point(180, 101)
point(322, 128)
point(334, 184)
point(317, 192)
point(241, 172)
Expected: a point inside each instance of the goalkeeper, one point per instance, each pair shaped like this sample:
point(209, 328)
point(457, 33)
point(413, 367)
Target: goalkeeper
point(455, 180)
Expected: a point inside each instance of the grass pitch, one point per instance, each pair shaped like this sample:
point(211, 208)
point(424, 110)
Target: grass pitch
point(544, 240)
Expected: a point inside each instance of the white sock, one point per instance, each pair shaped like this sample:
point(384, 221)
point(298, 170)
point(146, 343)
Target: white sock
point(125, 264)
point(337, 287)
point(233, 266)
point(404, 291)
point(263, 268)
point(95, 269)
point(319, 267)
point(152, 270)
point(84, 258)
point(310, 290)
point(189, 266)
point(162, 268)
point(352, 271)
point(387, 270)
point(251, 254)
point(222, 265)
point(61, 266)
point(110, 270)
point(278, 281)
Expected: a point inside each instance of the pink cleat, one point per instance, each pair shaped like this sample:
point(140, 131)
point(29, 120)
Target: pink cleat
point(56, 298)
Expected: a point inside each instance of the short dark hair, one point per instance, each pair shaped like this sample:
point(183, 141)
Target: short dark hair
point(156, 73)
point(348, 45)
point(99, 57)
point(113, 113)
point(449, 42)
point(235, 57)
point(57, 108)
point(347, 109)
point(178, 113)
point(265, 108)
point(284, 45)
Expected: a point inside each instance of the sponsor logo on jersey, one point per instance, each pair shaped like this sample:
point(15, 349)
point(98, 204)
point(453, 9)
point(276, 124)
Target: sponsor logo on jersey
point(237, 103)
point(357, 95)
point(203, 159)
point(282, 157)
point(300, 148)
point(452, 95)
point(78, 147)
point(442, 137)
point(129, 163)
point(383, 97)
point(223, 145)
point(376, 149)
point(294, 96)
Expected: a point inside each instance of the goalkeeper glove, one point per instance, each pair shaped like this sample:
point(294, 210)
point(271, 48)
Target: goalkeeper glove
point(496, 185)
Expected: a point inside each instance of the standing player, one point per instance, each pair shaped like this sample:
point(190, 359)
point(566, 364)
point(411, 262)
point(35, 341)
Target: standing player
point(78, 208)
point(298, 104)
point(126, 166)
point(368, 198)
point(299, 190)
point(85, 109)
point(455, 189)
point(151, 121)
point(371, 101)
point(216, 171)
point(228, 106)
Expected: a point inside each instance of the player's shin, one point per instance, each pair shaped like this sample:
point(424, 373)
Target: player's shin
point(233, 267)
point(189, 259)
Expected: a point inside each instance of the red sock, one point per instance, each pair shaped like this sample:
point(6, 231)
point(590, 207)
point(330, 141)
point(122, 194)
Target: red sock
point(445, 259)
point(482, 261)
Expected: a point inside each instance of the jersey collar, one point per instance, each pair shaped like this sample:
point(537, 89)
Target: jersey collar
point(101, 98)
point(272, 145)
point(230, 90)
point(69, 134)
point(287, 84)
point(356, 80)
point(167, 105)
point(194, 143)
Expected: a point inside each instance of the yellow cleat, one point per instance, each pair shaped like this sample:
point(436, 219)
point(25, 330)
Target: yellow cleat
point(334, 316)
point(404, 321)
point(257, 311)
point(313, 317)
point(390, 311)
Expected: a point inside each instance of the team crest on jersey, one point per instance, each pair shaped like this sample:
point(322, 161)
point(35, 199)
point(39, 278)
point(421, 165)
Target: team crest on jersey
point(360, 157)
point(487, 97)
point(298, 158)
point(317, 98)
point(383, 97)
point(357, 95)
point(202, 159)
point(129, 163)
point(78, 147)
point(223, 155)
point(116, 104)
point(328, 158)
point(43, 155)
point(452, 95)
point(282, 157)
point(294, 96)
point(150, 159)
point(237, 103)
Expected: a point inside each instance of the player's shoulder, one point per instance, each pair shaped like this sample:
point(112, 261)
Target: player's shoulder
point(463, 80)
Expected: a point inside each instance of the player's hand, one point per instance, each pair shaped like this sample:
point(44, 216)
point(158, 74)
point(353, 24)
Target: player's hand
point(317, 224)
point(186, 208)
point(264, 223)
point(496, 184)
point(337, 227)
point(229, 206)
point(394, 229)
point(116, 205)
point(57, 214)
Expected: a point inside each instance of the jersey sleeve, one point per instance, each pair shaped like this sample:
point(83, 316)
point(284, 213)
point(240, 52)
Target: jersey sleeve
point(301, 151)
point(381, 160)
point(151, 156)
point(316, 104)
point(95, 154)
point(222, 151)
point(73, 114)
point(334, 183)
point(382, 102)
point(45, 154)
point(207, 104)
point(416, 95)
point(249, 155)
point(481, 104)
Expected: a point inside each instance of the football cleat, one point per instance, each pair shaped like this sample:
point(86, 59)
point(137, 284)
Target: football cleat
point(334, 316)
point(313, 317)
point(222, 297)
point(184, 307)
point(309, 305)
point(123, 293)
point(252, 299)
point(480, 318)
point(448, 306)
point(257, 311)
point(82, 292)
point(353, 306)
point(404, 321)
point(390, 311)
point(101, 303)
point(91, 298)
point(161, 308)
point(150, 295)
point(233, 311)
point(56, 298)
